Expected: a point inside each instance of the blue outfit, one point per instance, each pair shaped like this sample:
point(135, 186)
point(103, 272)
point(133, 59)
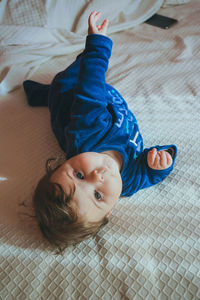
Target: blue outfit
point(89, 115)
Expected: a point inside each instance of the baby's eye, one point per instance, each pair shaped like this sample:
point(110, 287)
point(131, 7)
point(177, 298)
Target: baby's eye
point(97, 195)
point(79, 175)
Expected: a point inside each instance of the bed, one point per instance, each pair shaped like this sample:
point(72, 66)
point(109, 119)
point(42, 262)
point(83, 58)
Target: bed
point(150, 249)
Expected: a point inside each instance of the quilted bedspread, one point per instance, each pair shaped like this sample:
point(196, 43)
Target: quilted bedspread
point(150, 249)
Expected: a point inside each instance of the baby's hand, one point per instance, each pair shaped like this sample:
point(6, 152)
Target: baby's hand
point(97, 29)
point(159, 160)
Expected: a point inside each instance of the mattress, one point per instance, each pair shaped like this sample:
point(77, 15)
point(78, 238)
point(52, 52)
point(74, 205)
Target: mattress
point(150, 249)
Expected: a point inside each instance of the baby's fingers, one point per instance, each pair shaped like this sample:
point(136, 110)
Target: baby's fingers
point(159, 160)
point(163, 159)
point(93, 18)
point(166, 159)
point(96, 16)
point(93, 28)
point(151, 157)
point(104, 26)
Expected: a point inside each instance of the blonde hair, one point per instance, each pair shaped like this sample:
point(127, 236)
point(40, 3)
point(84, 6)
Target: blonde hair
point(57, 218)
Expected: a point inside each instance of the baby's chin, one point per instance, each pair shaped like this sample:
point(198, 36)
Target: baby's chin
point(111, 165)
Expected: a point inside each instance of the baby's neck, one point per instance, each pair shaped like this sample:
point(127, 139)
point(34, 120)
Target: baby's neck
point(116, 156)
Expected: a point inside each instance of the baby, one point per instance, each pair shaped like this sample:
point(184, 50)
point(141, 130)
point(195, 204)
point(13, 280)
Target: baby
point(102, 142)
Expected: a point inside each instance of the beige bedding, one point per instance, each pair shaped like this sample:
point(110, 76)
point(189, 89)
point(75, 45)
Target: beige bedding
point(151, 247)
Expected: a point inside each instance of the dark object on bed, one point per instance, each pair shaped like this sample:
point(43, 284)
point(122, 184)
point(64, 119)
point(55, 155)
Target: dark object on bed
point(161, 21)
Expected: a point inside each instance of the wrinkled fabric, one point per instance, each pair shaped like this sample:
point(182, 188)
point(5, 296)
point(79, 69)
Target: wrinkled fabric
point(59, 29)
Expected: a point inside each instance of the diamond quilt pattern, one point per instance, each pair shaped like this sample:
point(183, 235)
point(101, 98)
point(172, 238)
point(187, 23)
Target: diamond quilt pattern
point(150, 249)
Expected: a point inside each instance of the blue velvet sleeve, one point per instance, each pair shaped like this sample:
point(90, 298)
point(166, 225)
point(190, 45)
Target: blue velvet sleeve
point(89, 105)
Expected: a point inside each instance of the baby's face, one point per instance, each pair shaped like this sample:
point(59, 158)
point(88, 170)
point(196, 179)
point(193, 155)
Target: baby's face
point(96, 180)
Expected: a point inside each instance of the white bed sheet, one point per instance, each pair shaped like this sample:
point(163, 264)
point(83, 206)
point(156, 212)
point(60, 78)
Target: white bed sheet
point(151, 247)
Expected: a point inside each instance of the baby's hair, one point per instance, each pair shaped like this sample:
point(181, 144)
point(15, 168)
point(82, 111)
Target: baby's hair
point(57, 217)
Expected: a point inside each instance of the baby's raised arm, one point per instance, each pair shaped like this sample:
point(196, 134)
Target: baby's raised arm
point(97, 29)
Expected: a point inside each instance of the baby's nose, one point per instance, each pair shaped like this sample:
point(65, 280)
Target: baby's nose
point(99, 175)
